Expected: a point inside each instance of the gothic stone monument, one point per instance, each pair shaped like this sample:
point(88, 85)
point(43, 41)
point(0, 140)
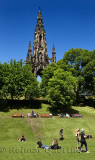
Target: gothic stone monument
point(39, 59)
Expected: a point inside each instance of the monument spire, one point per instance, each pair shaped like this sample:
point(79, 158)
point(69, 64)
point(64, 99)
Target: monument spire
point(29, 56)
point(39, 59)
point(40, 46)
point(53, 54)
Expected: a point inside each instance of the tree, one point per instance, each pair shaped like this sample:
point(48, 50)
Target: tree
point(1, 78)
point(18, 80)
point(89, 76)
point(81, 64)
point(61, 89)
point(31, 85)
point(76, 60)
point(47, 73)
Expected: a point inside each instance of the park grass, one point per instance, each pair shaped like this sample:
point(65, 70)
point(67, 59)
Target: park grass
point(47, 129)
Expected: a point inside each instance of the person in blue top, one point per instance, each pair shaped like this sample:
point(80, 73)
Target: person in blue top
point(61, 133)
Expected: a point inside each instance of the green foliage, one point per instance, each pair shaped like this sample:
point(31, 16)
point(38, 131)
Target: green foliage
point(82, 66)
point(77, 59)
point(89, 75)
point(31, 87)
point(1, 76)
point(18, 80)
point(81, 63)
point(47, 73)
point(61, 89)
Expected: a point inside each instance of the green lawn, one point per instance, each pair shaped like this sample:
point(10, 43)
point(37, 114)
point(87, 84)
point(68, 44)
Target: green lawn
point(47, 129)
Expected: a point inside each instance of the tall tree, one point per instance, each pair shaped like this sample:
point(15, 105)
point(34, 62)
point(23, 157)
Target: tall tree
point(47, 73)
point(89, 76)
point(1, 78)
point(78, 59)
point(18, 80)
point(61, 89)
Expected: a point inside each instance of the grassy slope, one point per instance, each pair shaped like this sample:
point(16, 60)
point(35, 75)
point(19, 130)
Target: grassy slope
point(47, 129)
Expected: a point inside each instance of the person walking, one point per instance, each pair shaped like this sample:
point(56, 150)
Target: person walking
point(83, 140)
point(61, 133)
point(77, 137)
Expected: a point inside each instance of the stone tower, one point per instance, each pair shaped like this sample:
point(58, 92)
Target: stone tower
point(29, 56)
point(39, 59)
point(53, 54)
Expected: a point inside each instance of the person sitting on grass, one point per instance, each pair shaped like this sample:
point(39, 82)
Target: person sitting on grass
point(22, 138)
point(50, 115)
point(28, 114)
point(22, 115)
point(39, 144)
point(37, 115)
point(55, 145)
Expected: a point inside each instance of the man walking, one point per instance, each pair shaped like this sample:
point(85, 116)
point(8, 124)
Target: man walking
point(83, 141)
point(61, 133)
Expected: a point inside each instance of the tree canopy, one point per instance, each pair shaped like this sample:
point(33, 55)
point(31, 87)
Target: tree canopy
point(47, 73)
point(18, 80)
point(61, 89)
point(79, 62)
point(61, 84)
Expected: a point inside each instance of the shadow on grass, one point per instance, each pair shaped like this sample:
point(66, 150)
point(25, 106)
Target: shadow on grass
point(6, 105)
point(90, 102)
point(55, 110)
point(85, 102)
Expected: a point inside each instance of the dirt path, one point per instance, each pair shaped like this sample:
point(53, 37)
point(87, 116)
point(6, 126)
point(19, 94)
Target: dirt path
point(36, 125)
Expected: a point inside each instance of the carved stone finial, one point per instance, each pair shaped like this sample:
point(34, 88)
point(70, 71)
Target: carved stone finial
point(53, 54)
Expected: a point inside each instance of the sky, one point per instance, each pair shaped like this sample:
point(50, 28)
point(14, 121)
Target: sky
point(68, 24)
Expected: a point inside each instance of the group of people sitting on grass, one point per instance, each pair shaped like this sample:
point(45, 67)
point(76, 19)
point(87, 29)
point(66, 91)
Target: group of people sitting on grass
point(53, 146)
point(32, 115)
point(36, 115)
point(54, 143)
point(40, 145)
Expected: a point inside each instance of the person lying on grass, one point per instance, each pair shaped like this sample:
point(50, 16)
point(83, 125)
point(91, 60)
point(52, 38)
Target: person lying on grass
point(53, 146)
point(40, 145)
